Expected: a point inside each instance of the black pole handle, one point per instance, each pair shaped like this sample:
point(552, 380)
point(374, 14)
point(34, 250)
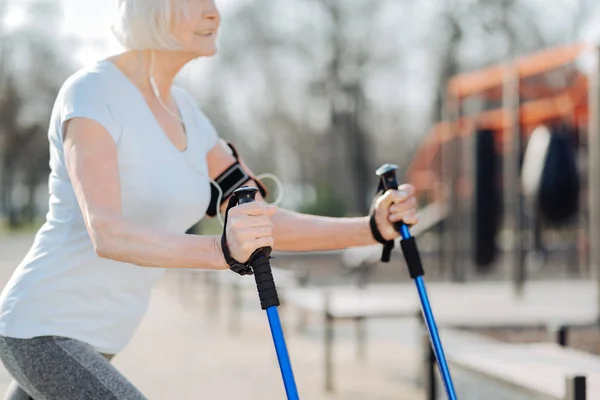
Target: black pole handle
point(245, 194)
point(259, 260)
point(387, 173)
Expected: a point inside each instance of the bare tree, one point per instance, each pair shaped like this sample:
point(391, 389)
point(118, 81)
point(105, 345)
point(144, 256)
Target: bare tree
point(33, 66)
point(313, 69)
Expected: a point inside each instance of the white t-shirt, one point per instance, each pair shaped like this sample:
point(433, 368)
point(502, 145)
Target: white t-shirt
point(62, 287)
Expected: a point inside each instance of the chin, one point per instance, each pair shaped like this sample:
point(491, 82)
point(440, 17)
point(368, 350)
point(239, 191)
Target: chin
point(211, 52)
point(204, 51)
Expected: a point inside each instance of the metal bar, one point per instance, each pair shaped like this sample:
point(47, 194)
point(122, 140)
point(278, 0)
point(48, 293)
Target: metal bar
point(513, 202)
point(448, 159)
point(594, 171)
point(361, 338)
point(328, 342)
point(559, 335)
point(576, 388)
point(429, 379)
point(453, 220)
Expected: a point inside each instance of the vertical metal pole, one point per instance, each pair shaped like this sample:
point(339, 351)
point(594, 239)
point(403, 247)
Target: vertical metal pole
point(468, 217)
point(513, 203)
point(361, 338)
point(441, 187)
point(450, 168)
point(583, 215)
point(576, 388)
point(559, 334)
point(594, 170)
point(329, 386)
point(430, 379)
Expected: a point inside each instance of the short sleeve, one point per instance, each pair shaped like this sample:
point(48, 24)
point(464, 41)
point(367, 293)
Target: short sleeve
point(85, 96)
point(211, 137)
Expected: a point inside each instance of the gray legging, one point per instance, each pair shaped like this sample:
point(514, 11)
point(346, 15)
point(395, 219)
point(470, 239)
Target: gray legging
point(58, 368)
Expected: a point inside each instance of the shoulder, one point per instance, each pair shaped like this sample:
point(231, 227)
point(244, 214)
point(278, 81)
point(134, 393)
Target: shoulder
point(86, 80)
point(88, 94)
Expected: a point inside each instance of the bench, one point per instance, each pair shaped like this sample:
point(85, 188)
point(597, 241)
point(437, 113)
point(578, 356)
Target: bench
point(544, 370)
point(349, 304)
point(544, 303)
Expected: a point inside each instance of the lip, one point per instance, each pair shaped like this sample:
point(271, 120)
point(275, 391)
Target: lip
point(206, 33)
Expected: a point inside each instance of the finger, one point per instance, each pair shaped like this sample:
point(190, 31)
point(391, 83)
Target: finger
point(264, 231)
point(252, 208)
point(259, 221)
point(409, 217)
point(249, 222)
point(403, 193)
point(263, 242)
point(404, 206)
point(408, 189)
point(399, 216)
point(387, 198)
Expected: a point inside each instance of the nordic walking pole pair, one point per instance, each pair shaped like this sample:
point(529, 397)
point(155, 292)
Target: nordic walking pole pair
point(269, 300)
point(387, 174)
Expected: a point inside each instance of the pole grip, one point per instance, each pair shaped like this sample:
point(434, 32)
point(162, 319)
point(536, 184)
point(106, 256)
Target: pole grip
point(387, 173)
point(259, 261)
point(263, 276)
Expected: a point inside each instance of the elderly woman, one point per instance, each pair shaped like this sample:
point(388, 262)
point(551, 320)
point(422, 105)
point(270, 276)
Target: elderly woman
point(134, 164)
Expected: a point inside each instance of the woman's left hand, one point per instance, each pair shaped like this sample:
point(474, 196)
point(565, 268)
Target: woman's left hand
point(394, 206)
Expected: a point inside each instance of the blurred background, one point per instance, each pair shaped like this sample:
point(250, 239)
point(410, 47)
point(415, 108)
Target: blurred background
point(489, 107)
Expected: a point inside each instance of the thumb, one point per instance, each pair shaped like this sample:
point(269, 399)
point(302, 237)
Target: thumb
point(387, 199)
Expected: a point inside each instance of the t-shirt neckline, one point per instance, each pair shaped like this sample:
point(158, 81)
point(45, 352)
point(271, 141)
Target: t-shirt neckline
point(181, 110)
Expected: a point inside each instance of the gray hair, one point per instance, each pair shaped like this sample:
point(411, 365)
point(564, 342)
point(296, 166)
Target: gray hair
point(146, 24)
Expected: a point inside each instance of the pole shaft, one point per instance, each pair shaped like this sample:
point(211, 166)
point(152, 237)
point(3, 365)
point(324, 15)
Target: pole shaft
point(282, 354)
point(436, 343)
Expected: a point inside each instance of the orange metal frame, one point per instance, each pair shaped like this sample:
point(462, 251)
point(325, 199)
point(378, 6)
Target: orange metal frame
point(540, 104)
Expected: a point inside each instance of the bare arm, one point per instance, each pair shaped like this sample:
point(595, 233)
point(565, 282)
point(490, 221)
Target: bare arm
point(91, 159)
point(293, 231)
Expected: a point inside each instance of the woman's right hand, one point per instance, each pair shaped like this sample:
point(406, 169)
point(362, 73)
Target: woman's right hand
point(249, 228)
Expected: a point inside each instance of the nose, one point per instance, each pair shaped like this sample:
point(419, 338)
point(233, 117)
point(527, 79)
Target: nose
point(211, 11)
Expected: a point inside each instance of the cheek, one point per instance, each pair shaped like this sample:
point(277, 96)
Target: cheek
point(183, 33)
point(184, 28)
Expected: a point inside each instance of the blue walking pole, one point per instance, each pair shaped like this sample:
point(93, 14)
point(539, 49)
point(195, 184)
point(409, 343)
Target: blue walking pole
point(387, 174)
point(269, 300)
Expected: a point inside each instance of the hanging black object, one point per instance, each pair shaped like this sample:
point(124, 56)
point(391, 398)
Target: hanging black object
point(487, 200)
point(558, 197)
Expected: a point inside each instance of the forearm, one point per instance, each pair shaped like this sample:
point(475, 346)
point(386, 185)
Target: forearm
point(293, 231)
point(123, 240)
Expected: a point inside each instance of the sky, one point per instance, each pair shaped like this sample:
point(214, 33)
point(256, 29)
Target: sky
point(89, 20)
point(92, 18)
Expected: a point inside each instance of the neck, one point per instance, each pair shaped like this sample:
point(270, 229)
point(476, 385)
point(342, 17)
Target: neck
point(137, 65)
